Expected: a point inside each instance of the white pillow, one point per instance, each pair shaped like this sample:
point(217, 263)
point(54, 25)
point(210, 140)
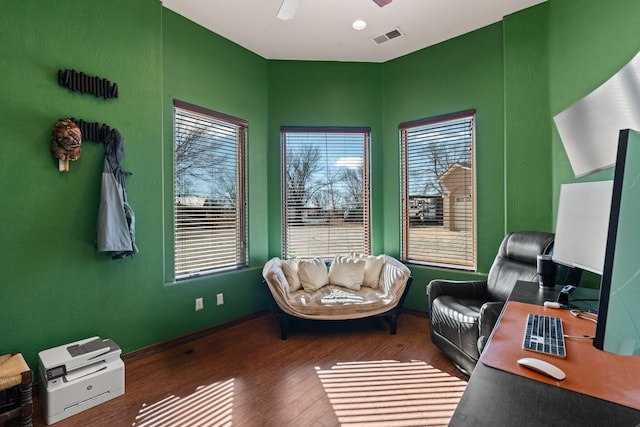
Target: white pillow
point(372, 271)
point(290, 270)
point(347, 272)
point(313, 274)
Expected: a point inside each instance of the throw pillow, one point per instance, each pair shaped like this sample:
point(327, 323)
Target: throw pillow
point(290, 270)
point(372, 271)
point(347, 272)
point(313, 274)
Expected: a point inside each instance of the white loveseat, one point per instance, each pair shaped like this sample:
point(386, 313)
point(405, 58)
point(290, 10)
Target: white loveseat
point(352, 287)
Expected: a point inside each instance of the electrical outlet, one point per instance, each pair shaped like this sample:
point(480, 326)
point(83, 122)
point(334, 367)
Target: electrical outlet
point(199, 304)
point(220, 299)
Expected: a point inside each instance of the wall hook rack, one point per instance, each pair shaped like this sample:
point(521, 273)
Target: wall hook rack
point(92, 131)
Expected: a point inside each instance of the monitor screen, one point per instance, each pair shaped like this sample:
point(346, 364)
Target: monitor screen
point(582, 224)
point(618, 328)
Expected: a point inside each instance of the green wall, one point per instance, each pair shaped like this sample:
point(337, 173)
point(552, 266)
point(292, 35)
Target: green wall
point(589, 41)
point(205, 69)
point(516, 73)
point(55, 287)
point(324, 94)
point(459, 74)
point(528, 169)
point(456, 75)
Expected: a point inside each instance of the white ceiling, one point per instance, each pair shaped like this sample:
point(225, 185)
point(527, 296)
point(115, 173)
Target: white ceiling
point(321, 29)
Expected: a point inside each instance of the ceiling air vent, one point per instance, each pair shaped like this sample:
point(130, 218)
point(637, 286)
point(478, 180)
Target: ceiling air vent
point(383, 38)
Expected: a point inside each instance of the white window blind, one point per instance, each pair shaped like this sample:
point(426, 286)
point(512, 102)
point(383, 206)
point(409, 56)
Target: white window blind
point(325, 177)
point(209, 191)
point(438, 209)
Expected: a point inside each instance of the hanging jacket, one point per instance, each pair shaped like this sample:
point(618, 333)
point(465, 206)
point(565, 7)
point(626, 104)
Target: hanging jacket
point(116, 221)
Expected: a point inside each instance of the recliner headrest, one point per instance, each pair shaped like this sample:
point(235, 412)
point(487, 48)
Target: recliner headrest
point(526, 245)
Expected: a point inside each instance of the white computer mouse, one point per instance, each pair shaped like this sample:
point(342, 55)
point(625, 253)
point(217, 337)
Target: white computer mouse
point(543, 367)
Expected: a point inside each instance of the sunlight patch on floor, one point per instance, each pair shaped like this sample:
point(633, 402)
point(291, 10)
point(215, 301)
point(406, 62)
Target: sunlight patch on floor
point(209, 405)
point(389, 393)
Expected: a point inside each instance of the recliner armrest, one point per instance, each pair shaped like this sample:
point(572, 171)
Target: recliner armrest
point(471, 289)
point(489, 313)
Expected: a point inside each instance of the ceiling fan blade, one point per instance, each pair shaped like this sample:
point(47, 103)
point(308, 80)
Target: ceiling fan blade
point(382, 2)
point(288, 9)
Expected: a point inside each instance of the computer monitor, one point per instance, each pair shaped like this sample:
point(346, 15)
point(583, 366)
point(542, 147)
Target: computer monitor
point(618, 328)
point(582, 224)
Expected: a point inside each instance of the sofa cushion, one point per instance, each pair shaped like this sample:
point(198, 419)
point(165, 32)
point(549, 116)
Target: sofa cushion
point(347, 272)
point(290, 270)
point(313, 274)
point(372, 271)
point(338, 302)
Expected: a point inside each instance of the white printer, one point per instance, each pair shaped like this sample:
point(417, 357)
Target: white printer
point(78, 376)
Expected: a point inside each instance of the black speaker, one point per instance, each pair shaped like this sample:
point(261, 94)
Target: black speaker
point(547, 270)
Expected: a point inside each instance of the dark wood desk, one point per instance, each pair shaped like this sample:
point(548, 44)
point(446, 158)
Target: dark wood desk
point(498, 398)
point(529, 292)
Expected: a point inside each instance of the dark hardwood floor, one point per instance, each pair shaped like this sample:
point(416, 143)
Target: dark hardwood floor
point(326, 374)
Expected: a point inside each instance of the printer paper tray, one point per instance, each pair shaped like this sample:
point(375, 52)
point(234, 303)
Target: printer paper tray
point(83, 372)
point(92, 401)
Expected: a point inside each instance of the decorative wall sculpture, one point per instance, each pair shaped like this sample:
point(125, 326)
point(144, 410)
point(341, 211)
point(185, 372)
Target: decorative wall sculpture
point(66, 143)
point(79, 81)
point(67, 134)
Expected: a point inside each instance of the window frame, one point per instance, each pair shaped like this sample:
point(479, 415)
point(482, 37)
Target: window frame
point(327, 130)
point(240, 254)
point(406, 255)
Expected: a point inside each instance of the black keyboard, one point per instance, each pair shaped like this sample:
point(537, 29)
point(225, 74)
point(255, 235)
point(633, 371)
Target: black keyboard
point(544, 334)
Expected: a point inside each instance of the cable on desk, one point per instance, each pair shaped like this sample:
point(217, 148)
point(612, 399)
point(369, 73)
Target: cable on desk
point(581, 315)
point(580, 337)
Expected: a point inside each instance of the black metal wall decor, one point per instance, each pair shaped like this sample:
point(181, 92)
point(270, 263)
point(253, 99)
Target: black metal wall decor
point(67, 134)
point(80, 82)
point(92, 131)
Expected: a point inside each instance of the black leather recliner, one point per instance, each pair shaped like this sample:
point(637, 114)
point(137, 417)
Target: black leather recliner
point(462, 314)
